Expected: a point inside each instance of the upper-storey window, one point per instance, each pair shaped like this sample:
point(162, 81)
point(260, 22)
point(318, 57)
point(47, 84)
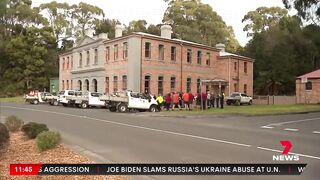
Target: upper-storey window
point(80, 59)
point(95, 56)
point(68, 62)
point(161, 52)
point(125, 50)
point(245, 67)
point(235, 66)
point(173, 53)
point(107, 54)
point(88, 57)
point(63, 63)
point(147, 50)
point(116, 51)
point(199, 57)
point(208, 57)
point(189, 56)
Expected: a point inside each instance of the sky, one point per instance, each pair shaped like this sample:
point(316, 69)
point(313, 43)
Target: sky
point(232, 11)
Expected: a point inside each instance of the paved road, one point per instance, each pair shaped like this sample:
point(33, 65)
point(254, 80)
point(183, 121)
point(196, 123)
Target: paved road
point(142, 138)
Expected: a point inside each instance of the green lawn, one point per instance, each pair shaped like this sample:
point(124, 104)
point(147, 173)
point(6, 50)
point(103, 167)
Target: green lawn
point(13, 99)
point(250, 110)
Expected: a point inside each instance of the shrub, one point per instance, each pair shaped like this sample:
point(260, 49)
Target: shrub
point(4, 137)
point(32, 129)
point(47, 140)
point(13, 123)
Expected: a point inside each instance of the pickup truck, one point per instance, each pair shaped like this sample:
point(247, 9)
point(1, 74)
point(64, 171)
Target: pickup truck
point(238, 98)
point(38, 97)
point(85, 100)
point(128, 100)
point(62, 97)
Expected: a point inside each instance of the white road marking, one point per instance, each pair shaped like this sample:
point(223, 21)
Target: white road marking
point(289, 129)
point(139, 127)
point(316, 132)
point(267, 127)
point(303, 155)
point(290, 122)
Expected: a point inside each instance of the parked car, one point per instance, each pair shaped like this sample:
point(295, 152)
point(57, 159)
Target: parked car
point(238, 98)
point(62, 97)
point(35, 97)
point(122, 102)
point(88, 99)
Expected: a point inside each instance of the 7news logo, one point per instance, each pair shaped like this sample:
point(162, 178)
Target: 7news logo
point(285, 156)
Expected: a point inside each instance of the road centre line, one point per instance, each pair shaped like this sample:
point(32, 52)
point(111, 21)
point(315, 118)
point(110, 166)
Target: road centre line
point(267, 127)
point(292, 153)
point(290, 122)
point(163, 131)
point(316, 132)
point(138, 127)
point(289, 129)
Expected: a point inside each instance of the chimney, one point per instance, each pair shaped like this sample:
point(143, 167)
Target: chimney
point(119, 30)
point(103, 36)
point(166, 31)
point(221, 46)
point(89, 32)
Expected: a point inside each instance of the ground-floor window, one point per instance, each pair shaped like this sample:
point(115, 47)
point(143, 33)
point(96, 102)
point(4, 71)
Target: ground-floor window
point(173, 84)
point(107, 85)
point(79, 85)
point(86, 85)
point(309, 85)
point(95, 85)
point(188, 84)
point(62, 84)
point(198, 85)
point(67, 84)
point(124, 82)
point(147, 80)
point(245, 88)
point(160, 85)
point(115, 83)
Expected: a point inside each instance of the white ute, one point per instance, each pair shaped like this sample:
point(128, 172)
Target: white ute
point(63, 95)
point(88, 99)
point(130, 100)
point(38, 97)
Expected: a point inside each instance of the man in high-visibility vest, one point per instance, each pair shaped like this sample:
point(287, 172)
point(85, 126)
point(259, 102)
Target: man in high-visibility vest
point(160, 102)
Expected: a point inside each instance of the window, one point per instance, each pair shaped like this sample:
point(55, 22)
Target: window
point(107, 54)
point(125, 50)
point(245, 67)
point(199, 57)
point(96, 56)
point(189, 56)
point(71, 93)
point(208, 59)
point(235, 87)
point(115, 83)
point(79, 85)
point(107, 85)
point(95, 85)
point(88, 57)
point(80, 60)
point(173, 53)
point(245, 88)
point(71, 62)
point(68, 63)
point(86, 84)
point(63, 63)
point(67, 84)
point(124, 82)
point(188, 84)
point(160, 85)
point(235, 66)
point(147, 80)
point(71, 87)
point(309, 85)
point(161, 52)
point(147, 50)
point(62, 84)
point(198, 85)
point(173, 84)
point(116, 52)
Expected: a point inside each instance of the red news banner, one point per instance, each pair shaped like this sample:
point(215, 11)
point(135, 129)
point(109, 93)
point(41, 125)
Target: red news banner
point(156, 169)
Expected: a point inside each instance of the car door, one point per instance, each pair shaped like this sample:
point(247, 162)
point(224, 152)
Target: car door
point(94, 99)
point(134, 100)
point(245, 98)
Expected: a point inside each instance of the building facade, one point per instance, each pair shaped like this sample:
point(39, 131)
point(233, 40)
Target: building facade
point(155, 64)
point(308, 88)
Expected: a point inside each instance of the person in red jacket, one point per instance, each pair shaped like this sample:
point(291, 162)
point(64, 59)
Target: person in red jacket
point(191, 98)
point(186, 100)
point(204, 100)
point(167, 100)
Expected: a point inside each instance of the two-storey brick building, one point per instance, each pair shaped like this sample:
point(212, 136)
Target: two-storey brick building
point(157, 64)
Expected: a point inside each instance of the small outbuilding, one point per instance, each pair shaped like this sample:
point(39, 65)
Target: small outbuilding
point(308, 88)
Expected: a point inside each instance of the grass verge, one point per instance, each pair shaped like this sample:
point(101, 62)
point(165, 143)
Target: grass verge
point(253, 110)
point(12, 99)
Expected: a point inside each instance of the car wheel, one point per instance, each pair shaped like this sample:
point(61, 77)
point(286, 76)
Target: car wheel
point(84, 105)
point(55, 103)
point(153, 108)
point(65, 105)
point(112, 109)
point(35, 102)
point(122, 108)
point(250, 102)
point(237, 103)
point(228, 103)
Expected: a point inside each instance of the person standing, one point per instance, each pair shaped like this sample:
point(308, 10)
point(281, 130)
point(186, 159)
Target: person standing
point(176, 101)
point(167, 100)
point(217, 100)
point(191, 98)
point(212, 98)
point(160, 102)
point(204, 100)
point(222, 100)
point(186, 100)
point(208, 100)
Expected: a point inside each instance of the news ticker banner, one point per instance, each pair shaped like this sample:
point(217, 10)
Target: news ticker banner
point(157, 169)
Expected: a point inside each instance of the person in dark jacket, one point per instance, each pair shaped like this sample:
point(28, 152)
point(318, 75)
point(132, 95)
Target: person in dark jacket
point(212, 98)
point(167, 101)
point(204, 100)
point(217, 100)
point(222, 100)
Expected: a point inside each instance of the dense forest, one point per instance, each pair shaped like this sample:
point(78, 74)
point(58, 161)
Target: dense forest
point(283, 46)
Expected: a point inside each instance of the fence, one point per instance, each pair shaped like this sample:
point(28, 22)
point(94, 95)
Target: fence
point(269, 100)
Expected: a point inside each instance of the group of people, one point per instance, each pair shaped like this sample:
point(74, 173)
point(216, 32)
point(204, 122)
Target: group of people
point(187, 101)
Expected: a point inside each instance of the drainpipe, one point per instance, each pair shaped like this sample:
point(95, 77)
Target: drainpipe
point(141, 55)
point(229, 79)
point(181, 54)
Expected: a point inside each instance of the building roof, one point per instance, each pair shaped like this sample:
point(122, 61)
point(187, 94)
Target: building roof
point(313, 74)
point(227, 54)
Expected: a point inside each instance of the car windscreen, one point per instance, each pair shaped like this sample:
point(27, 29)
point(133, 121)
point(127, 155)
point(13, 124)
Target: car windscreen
point(234, 95)
point(61, 93)
point(96, 94)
